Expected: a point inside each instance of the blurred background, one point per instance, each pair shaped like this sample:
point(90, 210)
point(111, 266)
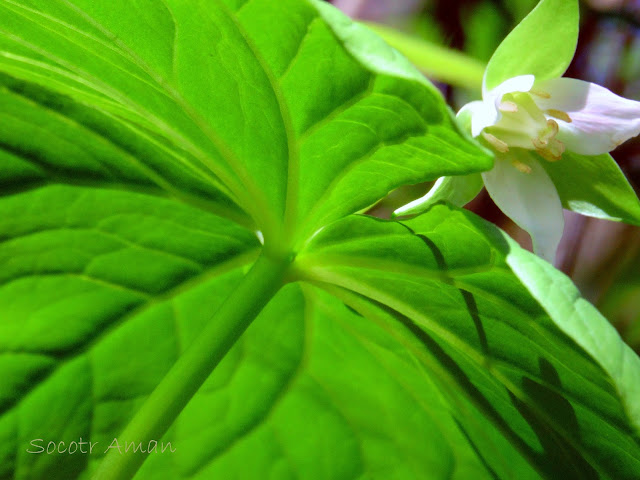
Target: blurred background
point(602, 257)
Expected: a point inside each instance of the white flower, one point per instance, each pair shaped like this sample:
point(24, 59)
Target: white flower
point(527, 123)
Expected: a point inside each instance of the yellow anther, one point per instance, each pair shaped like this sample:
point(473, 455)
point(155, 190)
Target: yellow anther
point(560, 115)
point(540, 93)
point(498, 144)
point(524, 168)
point(508, 107)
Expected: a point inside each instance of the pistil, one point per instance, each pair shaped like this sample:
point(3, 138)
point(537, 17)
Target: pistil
point(547, 145)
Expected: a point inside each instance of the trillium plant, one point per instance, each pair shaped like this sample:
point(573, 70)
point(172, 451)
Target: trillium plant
point(190, 286)
point(535, 117)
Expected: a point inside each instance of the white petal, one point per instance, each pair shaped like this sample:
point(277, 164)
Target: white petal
point(522, 83)
point(530, 200)
point(601, 120)
point(482, 114)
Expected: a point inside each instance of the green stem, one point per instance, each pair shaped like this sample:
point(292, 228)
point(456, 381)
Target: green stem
point(437, 62)
point(193, 367)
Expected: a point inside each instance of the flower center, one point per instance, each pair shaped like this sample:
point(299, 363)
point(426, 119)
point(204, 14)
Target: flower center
point(524, 125)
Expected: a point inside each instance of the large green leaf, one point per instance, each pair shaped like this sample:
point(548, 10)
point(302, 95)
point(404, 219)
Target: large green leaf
point(528, 376)
point(146, 149)
point(95, 284)
point(256, 108)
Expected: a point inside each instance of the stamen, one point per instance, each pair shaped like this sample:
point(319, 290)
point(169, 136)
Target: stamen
point(498, 144)
point(547, 155)
point(559, 114)
point(524, 168)
point(540, 93)
point(508, 107)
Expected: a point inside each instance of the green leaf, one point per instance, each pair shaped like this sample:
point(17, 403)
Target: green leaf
point(260, 111)
point(306, 406)
point(594, 186)
point(140, 146)
point(530, 378)
point(542, 44)
point(153, 155)
point(458, 190)
point(584, 324)
point(101, 290)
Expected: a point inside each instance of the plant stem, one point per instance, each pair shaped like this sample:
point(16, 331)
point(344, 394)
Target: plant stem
point(437, 62)
point(195, 365)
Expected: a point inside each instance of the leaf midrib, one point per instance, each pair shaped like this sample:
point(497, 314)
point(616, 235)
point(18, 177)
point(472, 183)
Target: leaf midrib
point(293, 154)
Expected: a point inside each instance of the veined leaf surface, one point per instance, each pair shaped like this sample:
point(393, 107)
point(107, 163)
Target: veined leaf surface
point(147, 147)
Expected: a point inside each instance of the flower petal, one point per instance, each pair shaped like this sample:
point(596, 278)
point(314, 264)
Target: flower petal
point(600, 119)
point(521, 83)
point(484, 113)
point(530, 200)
